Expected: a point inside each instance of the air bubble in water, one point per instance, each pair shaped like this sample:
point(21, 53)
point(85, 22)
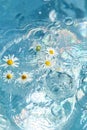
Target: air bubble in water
point(68, 21)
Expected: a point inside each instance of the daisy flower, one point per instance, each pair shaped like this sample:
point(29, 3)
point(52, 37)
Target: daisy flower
point(8, 76)
point(25, 77)
point(36, 46)
point(10, 61)
point(47, 63)
point(51, 52)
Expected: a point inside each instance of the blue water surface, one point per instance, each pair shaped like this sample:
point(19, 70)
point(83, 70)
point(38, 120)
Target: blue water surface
point(43, 65)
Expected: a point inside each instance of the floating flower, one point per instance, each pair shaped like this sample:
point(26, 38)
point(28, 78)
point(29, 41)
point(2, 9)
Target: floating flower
point(51, 52)
point(47, 63)
point(8, 76)
point(10, 61)
point(36, 46)
point(25, 77)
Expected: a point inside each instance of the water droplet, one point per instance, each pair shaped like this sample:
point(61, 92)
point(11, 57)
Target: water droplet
point(68, 21)
point(40, 12)
point(52, 16)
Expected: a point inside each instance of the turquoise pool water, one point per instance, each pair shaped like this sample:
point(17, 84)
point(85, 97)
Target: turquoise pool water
point(43, 65)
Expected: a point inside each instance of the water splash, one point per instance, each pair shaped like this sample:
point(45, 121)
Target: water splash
point(50, 58)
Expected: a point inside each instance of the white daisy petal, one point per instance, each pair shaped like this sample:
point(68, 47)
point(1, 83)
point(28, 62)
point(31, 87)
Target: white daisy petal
point(10, 61)
point(51, 52)
point(15, 59)
point(25, 77)
point(47, 63)
point(8, 76)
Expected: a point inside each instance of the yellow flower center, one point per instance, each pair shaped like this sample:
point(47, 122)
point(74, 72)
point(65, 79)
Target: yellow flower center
point(24, 77)
point(9, 76)
point(51, 52)
point(47, 63)
point(10, 62)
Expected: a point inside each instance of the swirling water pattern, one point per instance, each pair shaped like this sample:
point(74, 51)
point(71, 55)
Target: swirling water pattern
point(43, 72)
